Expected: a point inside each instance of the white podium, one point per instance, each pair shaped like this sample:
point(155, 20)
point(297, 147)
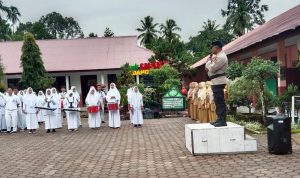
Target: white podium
point(207, 139)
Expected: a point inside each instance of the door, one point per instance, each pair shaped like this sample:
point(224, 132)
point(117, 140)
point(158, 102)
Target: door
point(86, 82)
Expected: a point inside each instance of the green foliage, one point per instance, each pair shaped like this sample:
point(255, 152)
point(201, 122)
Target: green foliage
point(242, 91)
point(251, 125)
point(5, 30)
point(243, 15)
point(261, 70)
point(200, 45)
point(169, 29)
point(2, 87)
point(93, 35)
point(61, 27)
point(148, 31)
point(108, 32)
point(34, 73)
point(252, 84)
point(175, 52)
point(292, 90)
point(125, 80)
point(38, 29)
point(1, 70)
point(235, 70)
point(164, 78)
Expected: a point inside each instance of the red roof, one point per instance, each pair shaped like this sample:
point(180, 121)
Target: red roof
point(289, 20)
point(78, 54)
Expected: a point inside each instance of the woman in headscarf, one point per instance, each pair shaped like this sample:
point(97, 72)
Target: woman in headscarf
point(29, 104)
point(136, 106)
point(56, 96)
point(113, 96)
point(93, 99)
point(69, 103)
point(77, 97)
point(40, 103)
point(21, 116)
point(50, 115)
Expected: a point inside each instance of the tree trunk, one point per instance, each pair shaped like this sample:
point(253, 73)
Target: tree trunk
point(262, 105)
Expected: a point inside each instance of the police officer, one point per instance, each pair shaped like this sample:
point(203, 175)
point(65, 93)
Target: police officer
point(216, 67)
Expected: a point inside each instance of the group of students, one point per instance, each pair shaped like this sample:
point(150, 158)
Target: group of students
point(26, 110)
point(201, 104)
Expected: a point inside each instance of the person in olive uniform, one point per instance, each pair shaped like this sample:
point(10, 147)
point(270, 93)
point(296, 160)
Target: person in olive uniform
point(216, 67)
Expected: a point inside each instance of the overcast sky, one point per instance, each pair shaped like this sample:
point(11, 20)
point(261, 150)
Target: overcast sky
point(123, 16)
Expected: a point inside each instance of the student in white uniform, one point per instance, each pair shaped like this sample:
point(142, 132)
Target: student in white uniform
point(29, 104)
point(21, 116)
point(93, 99)
point(49, 115)
point(77, 97)
point(3, 127)
point(136, 106)
point(11, 111)
point(128, 94)
point(113, 96)
point(57, 99)
point(102, 94)
point(41, 103)
point(71, 102)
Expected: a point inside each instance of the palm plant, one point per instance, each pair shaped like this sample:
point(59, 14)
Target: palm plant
point(168, 30)
point(148, 31)
point(243, 15)
point(13, 15)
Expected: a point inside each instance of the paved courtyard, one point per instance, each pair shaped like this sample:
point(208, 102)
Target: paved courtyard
point(156, 150)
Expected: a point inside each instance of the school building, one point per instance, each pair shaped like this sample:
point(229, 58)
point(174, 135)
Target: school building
point(277, 40)
point(77, 62)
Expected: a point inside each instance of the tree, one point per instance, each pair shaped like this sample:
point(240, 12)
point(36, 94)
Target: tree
point(200, 45)
point(93, 35)
point(174, 52)
point(4, 9)
point(125, 80)
point(242, 91)
point(5, 30)
point(1, 69)
point(168, 30)
point(243, 15)
point(148, 31)
point(108, 32)
point(61, 27)
point(210, 25)
point(13, 15)
point(235, 70)
point(165, 78)
point(260, 70)
point(38, 29)
point(34, 73)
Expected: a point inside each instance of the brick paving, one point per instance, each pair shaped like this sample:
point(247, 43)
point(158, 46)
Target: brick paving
point(156, 150)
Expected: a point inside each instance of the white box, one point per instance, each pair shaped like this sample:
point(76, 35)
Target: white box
point(207, 139)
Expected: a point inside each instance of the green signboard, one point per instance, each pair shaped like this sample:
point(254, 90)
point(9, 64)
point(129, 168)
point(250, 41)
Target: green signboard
point(173, 100)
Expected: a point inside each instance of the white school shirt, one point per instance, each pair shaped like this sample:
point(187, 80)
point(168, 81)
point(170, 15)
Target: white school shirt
point(12, 102)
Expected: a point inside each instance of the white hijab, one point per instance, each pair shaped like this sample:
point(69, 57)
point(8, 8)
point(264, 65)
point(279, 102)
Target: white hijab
point(136, 98)
point(46, 94)
point(70, 99)
point(113, 92)
point(75, 93)
point(92, 99)
point(41, 98)
point(29, 98)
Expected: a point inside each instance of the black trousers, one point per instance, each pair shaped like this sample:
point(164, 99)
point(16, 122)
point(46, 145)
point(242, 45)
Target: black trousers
point(221, 109)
